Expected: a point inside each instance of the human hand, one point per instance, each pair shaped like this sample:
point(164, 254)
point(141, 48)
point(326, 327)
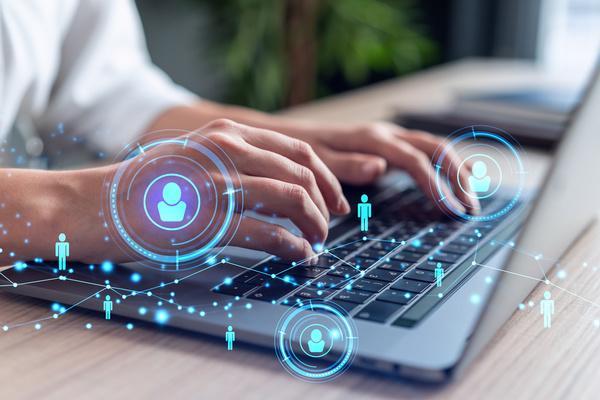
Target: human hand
point(359, 154)
point(280, 176)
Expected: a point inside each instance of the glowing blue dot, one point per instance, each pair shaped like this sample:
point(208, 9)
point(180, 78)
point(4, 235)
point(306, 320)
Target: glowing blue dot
point(521, 306)
point(475, 298)
point(107, 267)
point(38, 326)
point(129, 326)
point(202, 313)
point(55, 306)
point(248, 306)
point(562, 274)
point(142, 310)
point(88, 326)
point(416, 243)
point(135, 277)
point(191, 310)
point(488, 280)
point(228, 281)
point(161, 316)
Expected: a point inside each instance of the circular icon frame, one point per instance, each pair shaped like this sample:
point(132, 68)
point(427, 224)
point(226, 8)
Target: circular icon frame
point(463, 140)
point(193, 243)
point(293, 355)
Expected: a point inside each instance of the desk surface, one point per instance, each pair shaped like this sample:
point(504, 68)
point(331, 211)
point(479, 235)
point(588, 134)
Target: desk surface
point(64, 360)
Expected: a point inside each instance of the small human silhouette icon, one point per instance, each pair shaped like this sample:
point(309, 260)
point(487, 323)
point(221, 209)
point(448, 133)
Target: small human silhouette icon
point(547, 309)
point(62, 251)
point(171, 208)
point(230, 337)
point(316, 344)
point(364, 213)
point(479, 181)
point(107, 307)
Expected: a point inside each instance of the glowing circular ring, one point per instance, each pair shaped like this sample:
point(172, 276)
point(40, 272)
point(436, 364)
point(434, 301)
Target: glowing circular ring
point(473, 133)
point(191, 256)
point(292, 321)
point(162, 226)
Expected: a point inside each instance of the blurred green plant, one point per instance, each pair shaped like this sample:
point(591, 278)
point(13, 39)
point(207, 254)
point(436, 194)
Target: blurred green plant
point(284, 52)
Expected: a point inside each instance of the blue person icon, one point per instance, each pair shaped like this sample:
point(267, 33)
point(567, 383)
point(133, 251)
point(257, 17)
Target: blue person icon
point(364, 213)
point(171, 208)
point(316, 344)
point(230, 337)
point(479, 181)
point(62, 251)
point(107, 306)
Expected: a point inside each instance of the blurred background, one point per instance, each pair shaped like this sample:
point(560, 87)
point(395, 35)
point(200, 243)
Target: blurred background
point(271, 54)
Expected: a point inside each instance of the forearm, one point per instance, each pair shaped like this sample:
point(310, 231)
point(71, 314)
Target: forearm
point(194, 116)
point(35, 206)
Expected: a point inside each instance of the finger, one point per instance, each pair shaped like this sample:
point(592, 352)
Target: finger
point(271, 238)
point(303, 154)
point(353, 168)
point(405, 156)
point(280, 199)
point(264, 163)
point(451, 165)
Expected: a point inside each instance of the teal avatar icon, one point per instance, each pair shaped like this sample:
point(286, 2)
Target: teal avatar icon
point(479, 181)
point(172, 208)
point(316, 344)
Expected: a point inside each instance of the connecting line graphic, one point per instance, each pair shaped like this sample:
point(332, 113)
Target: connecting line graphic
point(125, 293)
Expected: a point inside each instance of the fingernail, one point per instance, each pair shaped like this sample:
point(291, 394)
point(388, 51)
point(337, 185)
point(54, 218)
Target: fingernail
point(369, 169)
point(343, 205)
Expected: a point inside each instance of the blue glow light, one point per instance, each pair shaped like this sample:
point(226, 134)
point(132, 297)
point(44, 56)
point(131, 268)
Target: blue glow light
point(107, 267)
point(142, 310)
point(228, 281)
point(55, 306)
point(135, 277)
point(129, 326)
point(161, 316)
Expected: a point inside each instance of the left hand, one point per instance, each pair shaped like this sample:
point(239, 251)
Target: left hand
point(359, 154)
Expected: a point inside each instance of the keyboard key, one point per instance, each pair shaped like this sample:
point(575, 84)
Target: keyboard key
point(311, 293)
point(456, 248)
point(393, 265)
point(467, 240)
point(273, 292)
point(344, 271)
point(410, 285)
point(382, 275)
point(235, 289)
point(375, 254)
point(396, 296)
point(431, 265)
point(420, 275)
point(328, 281)
point(308, 271)
point(368, 285)
point(354, 296)
point(348, 307)
point(378, 311)
point(326, 261)
point(442, 256)
point(407, 256)
point(421, 248)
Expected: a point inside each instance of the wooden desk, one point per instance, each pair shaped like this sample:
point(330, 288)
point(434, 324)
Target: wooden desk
point(64, 360)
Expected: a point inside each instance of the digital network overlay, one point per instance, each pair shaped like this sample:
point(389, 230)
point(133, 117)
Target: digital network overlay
point(166, 209)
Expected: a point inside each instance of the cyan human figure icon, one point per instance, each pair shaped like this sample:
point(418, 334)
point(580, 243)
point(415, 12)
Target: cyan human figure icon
point(171, 208)
point(438, 274)
point(107, 306)
point(316, 344)
point(230, 337)
point(364, 213)
point(547, 309)
point(62, 251)
point(479, 181)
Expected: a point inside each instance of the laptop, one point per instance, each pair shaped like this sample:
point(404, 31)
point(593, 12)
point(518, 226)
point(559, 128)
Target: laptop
point(386, 285)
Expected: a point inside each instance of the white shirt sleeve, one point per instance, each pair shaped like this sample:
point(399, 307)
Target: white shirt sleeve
point(107, 89)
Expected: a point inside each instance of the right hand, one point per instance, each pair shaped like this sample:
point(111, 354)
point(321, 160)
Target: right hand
point(280, 176)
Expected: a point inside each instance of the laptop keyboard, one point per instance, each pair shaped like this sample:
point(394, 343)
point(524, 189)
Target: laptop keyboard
point(385, 275)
